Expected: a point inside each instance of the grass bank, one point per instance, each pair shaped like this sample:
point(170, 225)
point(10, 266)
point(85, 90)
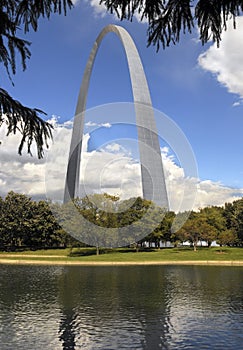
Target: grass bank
point(230, 256)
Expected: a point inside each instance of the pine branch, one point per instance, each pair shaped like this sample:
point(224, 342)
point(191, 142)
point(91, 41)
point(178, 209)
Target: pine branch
point(167, 19)
point(175, 17)
point(28, 12)
point(26, 121)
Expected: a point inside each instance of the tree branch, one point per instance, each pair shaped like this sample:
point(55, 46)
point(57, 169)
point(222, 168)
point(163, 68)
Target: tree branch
point(26, 121)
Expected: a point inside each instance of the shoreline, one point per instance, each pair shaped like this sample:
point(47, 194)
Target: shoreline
point(121, 263)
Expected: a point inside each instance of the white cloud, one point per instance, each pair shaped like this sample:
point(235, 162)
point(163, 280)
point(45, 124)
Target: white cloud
point(113, 147)
point(91, 124)
point(237, 103)
point(105, 125)
point(225, 62)
point(99, 9)
point(75, 2)
point(208, 192)
point(19, 173)
point(214, 193)
point(115, 173)
point(118, 149)
point(111, 169)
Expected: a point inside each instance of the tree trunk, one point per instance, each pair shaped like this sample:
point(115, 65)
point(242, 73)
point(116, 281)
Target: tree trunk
point(97, 250)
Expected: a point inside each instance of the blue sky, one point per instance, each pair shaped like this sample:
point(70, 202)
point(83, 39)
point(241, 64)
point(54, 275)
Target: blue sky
point(201, 95)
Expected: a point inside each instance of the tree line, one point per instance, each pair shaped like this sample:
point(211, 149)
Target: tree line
point(103, 220)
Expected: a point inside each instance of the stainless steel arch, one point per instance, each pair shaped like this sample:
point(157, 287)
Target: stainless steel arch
point(153, 180)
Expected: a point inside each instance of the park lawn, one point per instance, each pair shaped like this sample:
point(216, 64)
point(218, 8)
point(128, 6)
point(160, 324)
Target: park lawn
point(40, 252)
point(170, 254)
point(129, 255)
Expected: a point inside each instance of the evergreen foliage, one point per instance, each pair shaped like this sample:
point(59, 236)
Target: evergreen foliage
point(167, 19)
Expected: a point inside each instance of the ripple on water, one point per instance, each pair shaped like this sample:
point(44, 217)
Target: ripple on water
point(173, 307)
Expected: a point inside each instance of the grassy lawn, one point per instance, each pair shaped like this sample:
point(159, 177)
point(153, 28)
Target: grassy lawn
point(129, 255)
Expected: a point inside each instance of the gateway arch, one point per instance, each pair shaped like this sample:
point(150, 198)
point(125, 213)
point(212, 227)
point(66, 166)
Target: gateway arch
point(152, 172)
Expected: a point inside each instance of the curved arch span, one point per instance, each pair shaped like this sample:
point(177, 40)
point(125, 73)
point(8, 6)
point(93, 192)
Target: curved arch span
point(152, 173)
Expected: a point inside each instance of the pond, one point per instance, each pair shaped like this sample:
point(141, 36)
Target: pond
point(126, 307)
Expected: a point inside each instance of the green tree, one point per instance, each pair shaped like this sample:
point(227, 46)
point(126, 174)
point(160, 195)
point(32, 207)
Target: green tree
point(17, 211)
point(166, 225)
point(177, 232)
point(3, 237)
point(205, 225)
point(168, 19)
point(43, 230)
point(233, 213)
point(195, 229)
point(71, 224)
point(163, 231)
point(102, 220)
point(227, 237)
point(17, 15)
point(216, 223)
point(87, 218)
point(190, 231)
point(137, 219)
point(27, 223)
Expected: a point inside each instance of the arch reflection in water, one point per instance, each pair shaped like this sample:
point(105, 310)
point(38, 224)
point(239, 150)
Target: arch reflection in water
point(113, 308)
point(67, 328)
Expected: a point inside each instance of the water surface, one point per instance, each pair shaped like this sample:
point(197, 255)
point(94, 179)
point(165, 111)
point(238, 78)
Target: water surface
point(121, 307)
